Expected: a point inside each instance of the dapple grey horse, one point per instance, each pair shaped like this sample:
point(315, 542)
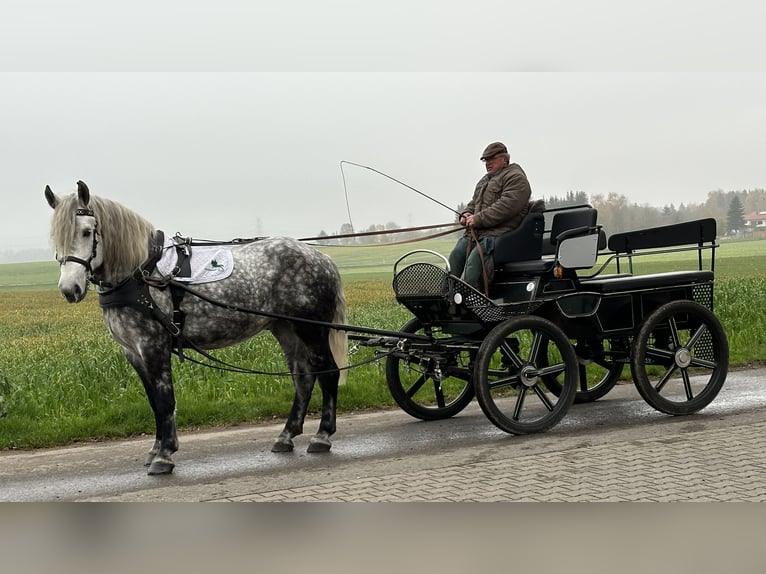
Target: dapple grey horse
point(100, 241)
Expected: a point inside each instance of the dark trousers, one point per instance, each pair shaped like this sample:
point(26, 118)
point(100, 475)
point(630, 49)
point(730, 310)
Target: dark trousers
point(468, 265)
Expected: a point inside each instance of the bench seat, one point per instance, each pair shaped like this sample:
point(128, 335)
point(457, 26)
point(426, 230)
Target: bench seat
point(638, 282)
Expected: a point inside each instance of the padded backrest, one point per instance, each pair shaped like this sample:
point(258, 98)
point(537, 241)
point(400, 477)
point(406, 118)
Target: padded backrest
point(573, 219)
point(690, 232)
point(565, 220)
point(523, 243)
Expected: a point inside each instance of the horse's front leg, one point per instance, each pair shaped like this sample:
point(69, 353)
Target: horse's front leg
point(153, 367)
point(159, 458)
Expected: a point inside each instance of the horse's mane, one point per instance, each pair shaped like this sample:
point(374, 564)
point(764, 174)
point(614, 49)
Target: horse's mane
point(123, 234)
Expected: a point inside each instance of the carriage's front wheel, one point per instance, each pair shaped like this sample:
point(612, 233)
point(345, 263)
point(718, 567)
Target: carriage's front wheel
point(510, 369)
point(429, 383)
point(680, 358)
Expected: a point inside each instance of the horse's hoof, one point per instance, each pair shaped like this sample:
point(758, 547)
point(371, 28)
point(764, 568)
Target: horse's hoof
point(150, 458)
point(319, 445)
point(160, 467)
point(283, 445)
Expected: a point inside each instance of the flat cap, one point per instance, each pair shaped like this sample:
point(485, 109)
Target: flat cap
point(493, 149)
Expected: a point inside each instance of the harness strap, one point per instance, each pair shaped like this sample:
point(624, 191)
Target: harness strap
point(134, 293)
point(177, 296)
point(183, 259)
point(85, 263)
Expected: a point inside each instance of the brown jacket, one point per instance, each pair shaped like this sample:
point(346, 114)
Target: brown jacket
point(500, 201)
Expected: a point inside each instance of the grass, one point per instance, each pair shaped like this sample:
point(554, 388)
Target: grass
point(63, 379)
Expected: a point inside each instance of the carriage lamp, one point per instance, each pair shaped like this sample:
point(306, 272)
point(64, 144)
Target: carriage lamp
point(558, 272)
point(457, 298)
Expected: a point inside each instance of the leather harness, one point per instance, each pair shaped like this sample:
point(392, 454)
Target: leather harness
point(134, 291)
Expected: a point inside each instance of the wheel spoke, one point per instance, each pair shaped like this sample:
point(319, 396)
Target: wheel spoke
point(697, 362)
point(519, 403)
point(674, 331)
point(417, 385)
point(665, 378)
point(697, 335)
point(508, 352)
point(656, 353)
point(602, 362)
point(534, 348)
point(583, 375)
point(687, 385)
point(551, 370)
point(543, 398)
point(439, 394)
point(504, 382)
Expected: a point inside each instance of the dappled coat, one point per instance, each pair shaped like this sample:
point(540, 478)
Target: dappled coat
point(500, 201)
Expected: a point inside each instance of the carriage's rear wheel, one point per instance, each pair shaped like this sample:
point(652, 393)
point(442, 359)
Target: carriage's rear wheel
point(597, 374)
point(510, 367)
point(429, 383)
point(680, 358)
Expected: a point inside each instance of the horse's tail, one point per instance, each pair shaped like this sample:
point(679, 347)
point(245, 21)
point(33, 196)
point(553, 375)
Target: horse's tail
point(339, 339)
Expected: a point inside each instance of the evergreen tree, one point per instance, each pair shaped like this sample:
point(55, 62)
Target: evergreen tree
point(736, 216)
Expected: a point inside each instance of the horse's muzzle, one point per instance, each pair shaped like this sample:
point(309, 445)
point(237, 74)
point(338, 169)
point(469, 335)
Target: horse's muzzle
point(73, 294)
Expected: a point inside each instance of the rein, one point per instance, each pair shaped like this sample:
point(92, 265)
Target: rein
point(185, 342)
point(453, 228)
point(134, 292)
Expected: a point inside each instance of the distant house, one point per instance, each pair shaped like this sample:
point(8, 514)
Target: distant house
point(755, 223)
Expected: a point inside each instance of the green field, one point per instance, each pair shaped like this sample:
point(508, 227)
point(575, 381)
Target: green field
point(63, 379)
point(363, 263)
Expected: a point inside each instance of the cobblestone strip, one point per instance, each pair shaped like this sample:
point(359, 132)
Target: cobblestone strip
point(712, 465)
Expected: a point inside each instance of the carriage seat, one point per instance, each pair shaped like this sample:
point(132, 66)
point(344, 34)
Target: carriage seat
point(521, 251)
point(525, 243)
point(629, 244)
point(627, 282)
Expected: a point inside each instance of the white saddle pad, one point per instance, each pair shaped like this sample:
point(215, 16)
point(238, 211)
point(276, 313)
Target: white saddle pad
point(207, 263)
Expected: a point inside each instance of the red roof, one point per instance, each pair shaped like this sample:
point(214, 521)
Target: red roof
point(755, 216)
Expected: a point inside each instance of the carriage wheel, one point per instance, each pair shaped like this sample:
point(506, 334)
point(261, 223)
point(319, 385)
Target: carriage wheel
point(510, 367)
point(429, 385)
point(597, 375)
point(680, 358)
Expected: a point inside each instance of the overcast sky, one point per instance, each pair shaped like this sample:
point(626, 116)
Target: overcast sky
point(663, 104)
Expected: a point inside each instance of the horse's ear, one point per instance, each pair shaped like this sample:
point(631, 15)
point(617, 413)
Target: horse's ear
point(51, 197)
point(83, 193)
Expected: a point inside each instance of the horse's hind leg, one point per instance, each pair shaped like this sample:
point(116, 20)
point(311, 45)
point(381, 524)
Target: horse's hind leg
point(304, 385)
point(328, 382)
point(308, 355)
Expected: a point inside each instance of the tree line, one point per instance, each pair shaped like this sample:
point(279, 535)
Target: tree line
point(616, 213)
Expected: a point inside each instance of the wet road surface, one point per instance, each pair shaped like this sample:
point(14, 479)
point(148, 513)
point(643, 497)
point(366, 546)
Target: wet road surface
point(389, 446)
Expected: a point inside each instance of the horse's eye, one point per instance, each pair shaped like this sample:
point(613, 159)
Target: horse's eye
point(86, 233)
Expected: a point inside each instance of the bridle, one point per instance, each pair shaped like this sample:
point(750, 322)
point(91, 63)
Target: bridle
point(85, 212)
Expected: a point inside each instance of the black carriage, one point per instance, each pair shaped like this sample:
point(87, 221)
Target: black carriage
point(565, 312)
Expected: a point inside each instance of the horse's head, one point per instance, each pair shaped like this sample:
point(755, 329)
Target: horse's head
point(75, 236)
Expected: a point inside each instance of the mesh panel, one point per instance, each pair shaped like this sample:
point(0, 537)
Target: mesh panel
point(703, 294)
point(421, 280)
point(704, 347)
point(489, 311)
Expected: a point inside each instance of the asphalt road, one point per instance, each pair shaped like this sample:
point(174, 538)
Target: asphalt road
point(388, 456)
